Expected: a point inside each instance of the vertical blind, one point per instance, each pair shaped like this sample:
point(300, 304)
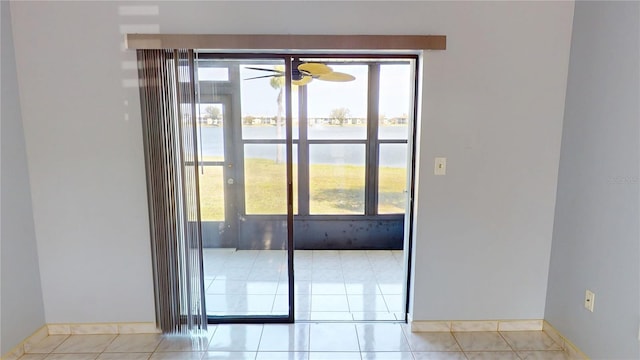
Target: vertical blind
point(167, 94)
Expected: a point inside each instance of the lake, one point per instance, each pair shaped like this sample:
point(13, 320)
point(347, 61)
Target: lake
point(391, 155)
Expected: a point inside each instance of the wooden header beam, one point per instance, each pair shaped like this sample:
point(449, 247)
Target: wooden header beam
point(286, 42)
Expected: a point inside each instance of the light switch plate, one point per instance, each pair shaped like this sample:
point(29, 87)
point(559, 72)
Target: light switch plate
point(440, 166)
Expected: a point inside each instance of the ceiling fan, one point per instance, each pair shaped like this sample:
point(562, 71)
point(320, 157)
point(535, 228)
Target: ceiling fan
point(303, 72)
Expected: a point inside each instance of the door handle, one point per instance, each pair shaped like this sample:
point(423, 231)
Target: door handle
point(230, 181)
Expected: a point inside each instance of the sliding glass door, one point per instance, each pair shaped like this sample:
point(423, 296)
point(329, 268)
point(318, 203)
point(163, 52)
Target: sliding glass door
point(322, 140)
point(251, 143)
point(244, 196)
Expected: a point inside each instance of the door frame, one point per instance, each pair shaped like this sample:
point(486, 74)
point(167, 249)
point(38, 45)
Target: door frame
point(238, 150)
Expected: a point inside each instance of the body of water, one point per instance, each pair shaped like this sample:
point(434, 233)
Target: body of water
point(391, 155)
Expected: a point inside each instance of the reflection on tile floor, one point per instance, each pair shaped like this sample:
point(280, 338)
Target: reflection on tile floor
point(307, 341)
point(343, 285)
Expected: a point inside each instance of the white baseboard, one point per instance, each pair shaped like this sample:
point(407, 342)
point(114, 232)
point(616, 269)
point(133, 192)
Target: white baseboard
point(19, 350)
point(476, 325)
point(103, 328)
point(567, 345)
point(500, 325)
point(75, 329)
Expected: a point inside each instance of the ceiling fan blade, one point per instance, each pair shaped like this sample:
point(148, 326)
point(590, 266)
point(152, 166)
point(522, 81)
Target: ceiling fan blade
point(261, 69)
point(315, 69)
point(337, 76)
point(304, 81)
point(264, 76)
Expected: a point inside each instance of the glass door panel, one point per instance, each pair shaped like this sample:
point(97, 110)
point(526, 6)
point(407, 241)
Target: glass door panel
point(392, 179)
point(395, 101)
point(243, 118)
point(336, 179)
point(338, 110)
point(212, 193)
point(263, 174)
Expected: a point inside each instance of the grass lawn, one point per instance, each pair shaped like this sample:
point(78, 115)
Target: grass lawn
point(334, 189)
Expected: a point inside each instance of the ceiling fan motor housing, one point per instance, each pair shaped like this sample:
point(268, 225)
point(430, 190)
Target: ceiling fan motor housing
point(296, 74)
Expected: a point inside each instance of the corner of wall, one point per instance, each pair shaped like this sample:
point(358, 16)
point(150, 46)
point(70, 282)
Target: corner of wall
point(596, 227)
point(22, 305)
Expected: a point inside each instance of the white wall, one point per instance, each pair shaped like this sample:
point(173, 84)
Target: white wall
point(493, 105)
point(21, 308)
point(596, 234)
point(85, 161)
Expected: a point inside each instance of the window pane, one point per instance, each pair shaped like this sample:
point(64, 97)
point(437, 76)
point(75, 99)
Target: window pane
point(265, 178)
point(212, 73)
point(395, 101)
point(264, 101)
point(392, 183)
point(338, 110)
point(336, 178)
point(211, 193)
point(210, 132)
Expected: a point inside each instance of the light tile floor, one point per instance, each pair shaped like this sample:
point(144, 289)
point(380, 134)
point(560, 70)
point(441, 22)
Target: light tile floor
point(307, 341)
point(329, 285)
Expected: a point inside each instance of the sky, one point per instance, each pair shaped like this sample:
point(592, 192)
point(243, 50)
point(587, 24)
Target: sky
point(260, 99)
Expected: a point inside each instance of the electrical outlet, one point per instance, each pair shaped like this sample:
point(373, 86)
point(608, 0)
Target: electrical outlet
point(589, 298)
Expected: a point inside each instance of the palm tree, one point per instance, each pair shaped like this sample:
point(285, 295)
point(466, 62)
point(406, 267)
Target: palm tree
point(277, 82)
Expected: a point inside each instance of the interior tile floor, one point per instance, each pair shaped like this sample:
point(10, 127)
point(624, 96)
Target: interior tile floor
point(345, 285)
point(305, 341)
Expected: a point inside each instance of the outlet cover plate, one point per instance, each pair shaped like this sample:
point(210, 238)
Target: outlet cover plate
point(589, 298)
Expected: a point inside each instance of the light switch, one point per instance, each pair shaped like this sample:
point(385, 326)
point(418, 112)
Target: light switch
point(440, 167)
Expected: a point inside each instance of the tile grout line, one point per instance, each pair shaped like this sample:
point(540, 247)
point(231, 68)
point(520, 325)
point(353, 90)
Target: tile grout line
point(358, 340)
point(406, 339)
point(55, 348)
point(105, 348)
point(507, 342)
point(458, 343)
point(157, 346)
point(259, 343)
